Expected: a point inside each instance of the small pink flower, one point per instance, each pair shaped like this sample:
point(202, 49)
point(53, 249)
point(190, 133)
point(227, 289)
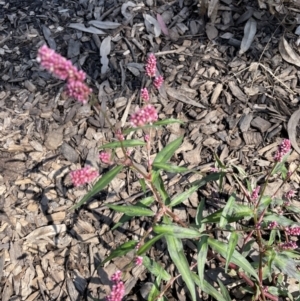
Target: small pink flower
point(151, 65)
point(83, 176)
point(290, 194)
point(139, 260)
point(105, 157)
point(119, 135)
point(118, 289)
point(288, 245)
point(158, 81)
point(283, 149)
point(143, 116)
point(254, 194)
point(214, 169)
point(79, 90)
point(272, 225)
point(145, 94)
point(147, 138)
point(292, 231)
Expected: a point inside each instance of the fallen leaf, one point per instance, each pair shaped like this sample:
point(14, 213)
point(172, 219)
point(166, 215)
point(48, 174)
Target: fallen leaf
point(249, 33)
point(212, 7)
point(127, 15)
point(152, 25)
point(162, 24)
point(42, 232)
point(287, 53)
point(211, 31)
point(104, 52)
point(49, 39)
point(104, 24)
point(237, 92)
point(291, 128)
point(80, 26)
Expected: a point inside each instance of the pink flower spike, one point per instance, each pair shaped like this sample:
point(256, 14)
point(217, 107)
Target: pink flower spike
point(82, 176)
point(158, 81)
point(272, 225)
point(151, 65)
point(145, 95)
point(118, 288)
point(139, 260)
point(105, 157)
point(58, 65)
point(290, 194)
point(144, 116)
point(293, 231)
point(255, 192)
point(79, 90)
point(288, 245)
point(283, 149)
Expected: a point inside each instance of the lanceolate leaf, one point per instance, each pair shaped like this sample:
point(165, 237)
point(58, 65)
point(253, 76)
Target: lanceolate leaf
point(175, 249)
point(169, 167)
point(286, 265)
point(249, 33)
point(132, 210)
point(156, 269)
point(201, 259)
point(227, 211)
point(101, 183)
point(183, 196)
point(121, 250)
point(147, 245)
point(159, 185)
point(236, 258)
point(211, 177)
point(208, 288)
point(177, 231)
point(125, 143)
point(231, 247)
point(224, 291)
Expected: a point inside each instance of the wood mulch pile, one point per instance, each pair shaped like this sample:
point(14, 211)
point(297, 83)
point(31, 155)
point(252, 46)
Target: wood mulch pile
point(235, 104)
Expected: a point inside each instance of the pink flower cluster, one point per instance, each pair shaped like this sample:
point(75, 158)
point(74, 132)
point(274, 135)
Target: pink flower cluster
point(272, 225)
point(65, 70)
point(145, 94)
point(105, 157)
point(283, 149)
point(118, 289)
point(158, 81)
point(83, 176)
point(293, 231)
point(255, 193)
point(139, 260)
point(143, 116)
point(151, 65)
point(290, 194)
point(288, 245)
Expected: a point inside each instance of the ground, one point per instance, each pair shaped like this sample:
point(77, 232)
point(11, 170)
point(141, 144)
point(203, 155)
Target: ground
point(236, 97)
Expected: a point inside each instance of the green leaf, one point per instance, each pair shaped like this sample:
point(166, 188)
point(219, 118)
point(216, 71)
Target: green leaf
point(101, 183)
point(264, 202)
point(211, 177)
point(240, 170)
point(121, 250)
point(147, 245)
point(281, 220)
point(159, 185)
point(176, 231)
point(199, 214)
point(227, 211)
point(143, 185)
point(224, 290)
point(132, 210)
point(125, 218)
point(208, 288)
point(154, 125)
point(154, 292)
point(220, 163)
point(201, 258)
point(236, 257)
point(156, 269)
point(125, 143)
point(231, 247)
point(286, 265)
point(183, 196)
point(169, 167)
point(175, 249)
point(279, 167)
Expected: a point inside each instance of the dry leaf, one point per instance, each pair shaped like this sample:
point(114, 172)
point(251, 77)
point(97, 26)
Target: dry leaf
point(104, 24)
point(104, 52)
point(47, 34)
point(45, 231)
point(249, 33)
point(162, 24)
point(212, 7)
point(291, 128)
point(127, 15)
point(211, 31)
point(80, 26)
point(152, 25)
point(237, 92)
point(217, 91)
point(287, 53)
